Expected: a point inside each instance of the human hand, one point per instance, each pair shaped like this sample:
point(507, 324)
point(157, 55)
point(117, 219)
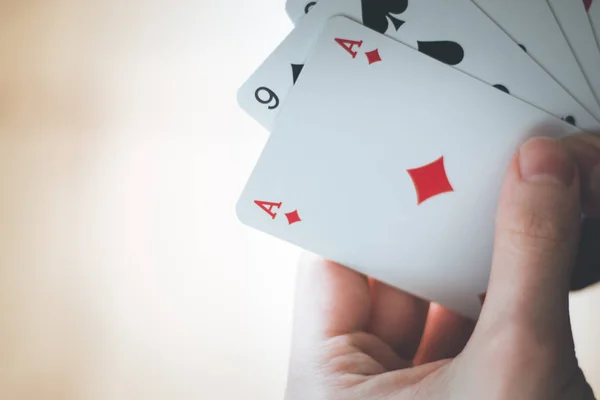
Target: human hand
point(356, 338)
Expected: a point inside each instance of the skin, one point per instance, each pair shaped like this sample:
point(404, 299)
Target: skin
point(356, 338)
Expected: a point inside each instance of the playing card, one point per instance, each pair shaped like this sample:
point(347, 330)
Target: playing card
point(534, 27)
point(296, 9)
point(593, 9)
point(390, 163)
point(457, 33)
point(575, 24)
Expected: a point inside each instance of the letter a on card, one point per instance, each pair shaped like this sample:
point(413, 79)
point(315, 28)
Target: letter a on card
point(348, 45)
point(268, 206)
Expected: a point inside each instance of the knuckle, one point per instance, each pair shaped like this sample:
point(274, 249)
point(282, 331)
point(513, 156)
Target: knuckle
point(340, 347)
point(532, 231)
point(351, 364)
point(520, 347)
point(342, 356)
point(340, 344)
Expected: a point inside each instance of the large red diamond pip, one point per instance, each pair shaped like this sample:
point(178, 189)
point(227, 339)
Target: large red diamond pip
point(430, 180)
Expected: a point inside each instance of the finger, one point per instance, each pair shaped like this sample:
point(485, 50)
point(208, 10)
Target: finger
point(331, 300)
point(587, 267)
point(397, 318)
point(446, 335)
point(585, 148)
point(331, 312)
point(537, 231)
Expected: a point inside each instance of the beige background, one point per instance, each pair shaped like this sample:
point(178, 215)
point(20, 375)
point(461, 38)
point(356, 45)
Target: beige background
point(123, 271)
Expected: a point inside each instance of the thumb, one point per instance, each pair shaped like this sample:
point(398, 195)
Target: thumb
point(537, 230)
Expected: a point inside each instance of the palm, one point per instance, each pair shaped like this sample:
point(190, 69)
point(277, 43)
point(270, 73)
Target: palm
point(373, 341)
point(371, 333)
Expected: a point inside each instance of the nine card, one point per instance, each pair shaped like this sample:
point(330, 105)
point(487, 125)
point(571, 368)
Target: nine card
point(390, 163)
point(296, 9)
point(455, 33)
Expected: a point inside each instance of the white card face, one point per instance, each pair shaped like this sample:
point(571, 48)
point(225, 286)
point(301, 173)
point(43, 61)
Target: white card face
point(456, 31)
point(575, 24)
point(390, 163)
point(532, 24)
point(594, 14)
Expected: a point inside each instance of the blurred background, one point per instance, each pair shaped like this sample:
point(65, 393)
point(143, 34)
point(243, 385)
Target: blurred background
point(124, 273)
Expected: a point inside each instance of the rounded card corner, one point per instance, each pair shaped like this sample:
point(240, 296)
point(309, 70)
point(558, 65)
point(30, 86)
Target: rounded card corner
point(239, 212)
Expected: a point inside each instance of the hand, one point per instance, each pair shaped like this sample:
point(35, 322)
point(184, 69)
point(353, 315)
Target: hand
point(355, 338)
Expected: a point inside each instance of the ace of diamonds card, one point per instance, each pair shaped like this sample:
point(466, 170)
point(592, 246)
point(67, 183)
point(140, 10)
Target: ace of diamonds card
point(390, 162)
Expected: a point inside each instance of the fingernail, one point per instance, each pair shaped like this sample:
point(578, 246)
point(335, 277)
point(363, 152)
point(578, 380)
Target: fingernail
point(546, 160)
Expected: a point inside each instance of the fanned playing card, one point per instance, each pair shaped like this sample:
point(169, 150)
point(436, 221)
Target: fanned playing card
point(456, 33)
point(576, 26)
point(534, 27)
point(593, 9)
point(390, 163)
point(296, 9)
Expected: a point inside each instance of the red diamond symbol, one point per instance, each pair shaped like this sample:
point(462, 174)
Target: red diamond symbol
point(373, 56)
point(293, 217)
point(430, 180)
point(482, 298)
point(587, 4)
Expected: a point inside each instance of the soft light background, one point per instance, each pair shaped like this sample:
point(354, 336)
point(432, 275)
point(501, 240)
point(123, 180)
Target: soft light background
point(124, 273)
